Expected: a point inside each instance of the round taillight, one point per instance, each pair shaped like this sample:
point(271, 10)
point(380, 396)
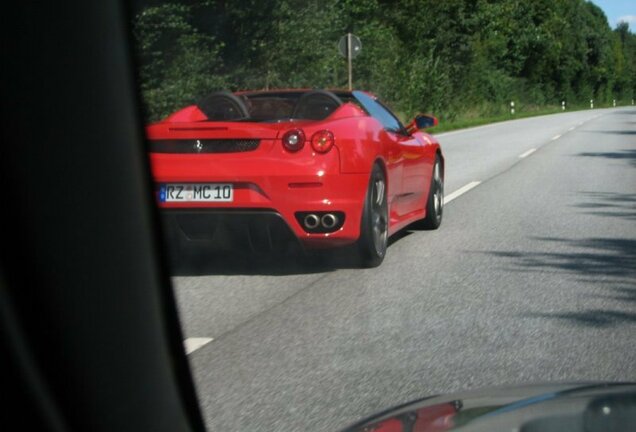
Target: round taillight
point(322, 141)
point(294, 140)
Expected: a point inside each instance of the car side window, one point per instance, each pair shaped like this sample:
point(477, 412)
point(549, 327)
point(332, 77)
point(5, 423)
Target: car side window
point(380, 113)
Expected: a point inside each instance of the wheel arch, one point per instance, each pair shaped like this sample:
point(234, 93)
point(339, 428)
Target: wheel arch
point(379, 161)
point(438, 152)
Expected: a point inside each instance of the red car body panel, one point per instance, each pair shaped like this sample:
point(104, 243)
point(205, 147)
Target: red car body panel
point(273, 178)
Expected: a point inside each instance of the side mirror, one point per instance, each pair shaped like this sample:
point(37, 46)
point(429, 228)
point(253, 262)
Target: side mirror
point(422, 121)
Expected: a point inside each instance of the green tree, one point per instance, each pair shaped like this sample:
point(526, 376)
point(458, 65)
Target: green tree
point(454, 57)
point(178, 63)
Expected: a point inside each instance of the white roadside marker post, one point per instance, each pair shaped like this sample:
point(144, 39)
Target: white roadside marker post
point(512, 107)
point(591, 103)
point(562, 105)
point(614, 102)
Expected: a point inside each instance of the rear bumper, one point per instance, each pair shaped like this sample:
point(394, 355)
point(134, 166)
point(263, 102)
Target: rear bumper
point(265, 209)
point(255, 230)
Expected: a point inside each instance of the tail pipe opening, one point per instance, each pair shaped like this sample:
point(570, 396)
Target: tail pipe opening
point(311, 221)
point(322, 222)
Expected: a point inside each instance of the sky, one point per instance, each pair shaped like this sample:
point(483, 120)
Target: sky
point(619, 10)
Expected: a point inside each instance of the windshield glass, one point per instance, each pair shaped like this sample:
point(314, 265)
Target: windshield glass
point(267, 107)
point(272, 106)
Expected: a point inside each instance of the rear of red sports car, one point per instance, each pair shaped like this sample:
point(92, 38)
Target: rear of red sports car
point(226, 177)
point(261, 168)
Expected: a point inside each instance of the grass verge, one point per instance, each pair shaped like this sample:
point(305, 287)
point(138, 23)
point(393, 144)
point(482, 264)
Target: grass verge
point(467, 122)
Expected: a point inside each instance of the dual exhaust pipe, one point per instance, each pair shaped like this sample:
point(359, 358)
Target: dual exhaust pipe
point(320, 222)
point(327, 221)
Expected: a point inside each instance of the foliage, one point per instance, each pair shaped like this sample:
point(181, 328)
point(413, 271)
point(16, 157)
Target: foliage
point(178, 63)
point(457, 58)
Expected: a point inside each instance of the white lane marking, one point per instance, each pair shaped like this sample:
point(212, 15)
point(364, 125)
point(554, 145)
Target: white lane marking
point(193, 344)
point(462, 190)
point(571, 129)
point(556, 137)
point(528, 153)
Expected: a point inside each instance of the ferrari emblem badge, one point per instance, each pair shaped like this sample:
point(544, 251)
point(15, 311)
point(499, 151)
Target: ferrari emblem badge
point(198, 146)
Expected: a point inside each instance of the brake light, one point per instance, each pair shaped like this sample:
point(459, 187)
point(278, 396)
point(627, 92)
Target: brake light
point(294, 140)
point(322, 141)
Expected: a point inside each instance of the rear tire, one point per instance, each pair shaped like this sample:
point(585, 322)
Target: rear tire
point(374, 229)
point(435, 201)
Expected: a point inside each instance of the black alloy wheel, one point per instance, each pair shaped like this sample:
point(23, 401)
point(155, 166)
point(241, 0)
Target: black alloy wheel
point(374, 232)
point(435, 201)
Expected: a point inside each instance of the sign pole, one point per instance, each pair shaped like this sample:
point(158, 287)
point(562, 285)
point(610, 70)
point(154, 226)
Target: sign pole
point(349, 47)
point(349, 60)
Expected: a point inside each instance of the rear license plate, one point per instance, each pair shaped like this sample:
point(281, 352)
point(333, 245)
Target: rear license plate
point(193, 192)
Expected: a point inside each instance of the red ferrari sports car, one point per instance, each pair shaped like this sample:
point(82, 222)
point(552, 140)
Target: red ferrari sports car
point(329, 168)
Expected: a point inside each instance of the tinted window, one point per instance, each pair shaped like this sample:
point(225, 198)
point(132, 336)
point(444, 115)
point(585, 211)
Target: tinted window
point(378, 111)
point(269, 107)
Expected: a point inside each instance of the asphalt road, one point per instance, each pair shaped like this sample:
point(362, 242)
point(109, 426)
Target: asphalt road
point(531, 278)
